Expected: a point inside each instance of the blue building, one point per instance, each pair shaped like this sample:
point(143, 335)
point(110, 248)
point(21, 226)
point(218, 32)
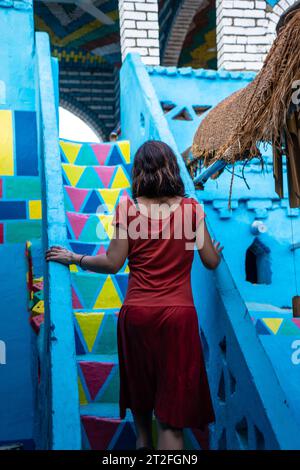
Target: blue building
point(57, 327)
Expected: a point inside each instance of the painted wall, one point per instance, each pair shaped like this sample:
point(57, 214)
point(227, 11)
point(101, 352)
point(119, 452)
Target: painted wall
point(250, 395)
point(20, 214)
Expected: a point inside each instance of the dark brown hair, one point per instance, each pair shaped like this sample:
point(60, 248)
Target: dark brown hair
point(156, 172)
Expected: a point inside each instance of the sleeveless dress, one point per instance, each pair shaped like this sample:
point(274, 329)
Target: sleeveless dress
point(160, 355)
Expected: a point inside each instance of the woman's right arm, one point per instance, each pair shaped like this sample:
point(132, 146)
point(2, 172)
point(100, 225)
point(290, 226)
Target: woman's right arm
point(208, 249)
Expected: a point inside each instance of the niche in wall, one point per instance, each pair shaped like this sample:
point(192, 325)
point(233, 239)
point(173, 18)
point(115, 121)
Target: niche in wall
point(258, 263)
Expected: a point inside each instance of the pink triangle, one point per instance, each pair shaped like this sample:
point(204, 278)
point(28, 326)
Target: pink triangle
point(75, 301)
point(101, 250)
point(105, 174)
point(99, 431)
point(296, 321)
point(101, 151)
point(77, 196)
point(77, 222)
point(95, 375)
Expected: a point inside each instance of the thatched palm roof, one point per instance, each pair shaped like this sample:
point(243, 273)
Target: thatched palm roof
point(261, 112)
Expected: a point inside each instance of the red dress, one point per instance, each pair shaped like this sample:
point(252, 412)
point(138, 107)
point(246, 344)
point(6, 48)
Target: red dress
point(160, 354)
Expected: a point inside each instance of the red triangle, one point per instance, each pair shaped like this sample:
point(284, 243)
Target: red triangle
point(77, 222)
point(101, 151)
point(95, 375)
point(77, 196)
point(202, 436)
point(99, 431)
point(105, 173)
point(296, 321)
point(101, 250)
point(75, 301)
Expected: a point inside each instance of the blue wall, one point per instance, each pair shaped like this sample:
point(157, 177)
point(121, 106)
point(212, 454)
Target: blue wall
point(17, 84)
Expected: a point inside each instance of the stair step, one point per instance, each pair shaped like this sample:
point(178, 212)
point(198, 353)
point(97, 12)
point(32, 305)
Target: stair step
point(91, 249)
point(278, 326)
point(257, 310)
point(98, 378)
point(95, 153)
point(102, 428)
point(89, 201)
point(96, 177)
point(96, 333)
point(98, 291)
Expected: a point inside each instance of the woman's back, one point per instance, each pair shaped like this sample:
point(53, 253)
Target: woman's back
point(160, 250)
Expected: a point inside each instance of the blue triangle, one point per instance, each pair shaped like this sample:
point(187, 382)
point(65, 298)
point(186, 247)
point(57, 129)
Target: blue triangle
point(92, 204)
point(87, 248)
point(115, 157)
point(122, 280)
point(127, 439)
point(261, 329)
point(78, 344)
point(65, 180)
point(62, 157)
point(69, 236)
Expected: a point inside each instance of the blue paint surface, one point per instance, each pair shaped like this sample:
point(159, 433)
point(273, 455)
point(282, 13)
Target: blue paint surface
point(26, 143)
point(16, 394)
point(250, 399)
point(10, 210)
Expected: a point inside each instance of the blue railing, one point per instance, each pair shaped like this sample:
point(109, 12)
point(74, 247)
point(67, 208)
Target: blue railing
point(59, 421)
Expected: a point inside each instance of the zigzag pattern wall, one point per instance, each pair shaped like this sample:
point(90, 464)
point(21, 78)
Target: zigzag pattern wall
point(20, 192)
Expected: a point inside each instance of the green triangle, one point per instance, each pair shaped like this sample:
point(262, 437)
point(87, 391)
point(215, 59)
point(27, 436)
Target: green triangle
point(68, 204)
point(90, 230)
point(86, 156)
point(188, 445)
point(89, 179)
point(289, 329)
point(87, 286)
point(111, 393)
point(106, 343)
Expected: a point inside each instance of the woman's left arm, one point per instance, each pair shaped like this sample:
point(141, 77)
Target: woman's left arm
point(109, 263)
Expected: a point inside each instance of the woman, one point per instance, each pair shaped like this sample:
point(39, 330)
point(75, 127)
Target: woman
point(160, 355)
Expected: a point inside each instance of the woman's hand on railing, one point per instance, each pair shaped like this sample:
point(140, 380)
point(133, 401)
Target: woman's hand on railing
point(62, 255)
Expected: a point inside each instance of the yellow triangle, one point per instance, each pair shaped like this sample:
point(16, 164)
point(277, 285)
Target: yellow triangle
point(110, 197)
point(73, 172)
point(89, 324)
point(73, 268)
point(273, 323)
point(82, 397)
point(120, 180)
point(124, 147)
point(71, 150)
point(126, 270)
point(106, 221)
point(108, 297)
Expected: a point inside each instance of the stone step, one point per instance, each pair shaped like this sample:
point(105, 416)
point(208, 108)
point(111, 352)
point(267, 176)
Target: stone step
point(92, 201)
point(95, 153)
point(96, 332)
point(96, 177)
point(98, 291)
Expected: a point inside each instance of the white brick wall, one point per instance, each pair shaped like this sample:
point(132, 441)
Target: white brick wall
point(139, 29)
point(245, 32)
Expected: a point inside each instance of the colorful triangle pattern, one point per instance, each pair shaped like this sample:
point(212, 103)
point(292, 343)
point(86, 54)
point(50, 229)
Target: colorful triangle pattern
point(95, 153)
